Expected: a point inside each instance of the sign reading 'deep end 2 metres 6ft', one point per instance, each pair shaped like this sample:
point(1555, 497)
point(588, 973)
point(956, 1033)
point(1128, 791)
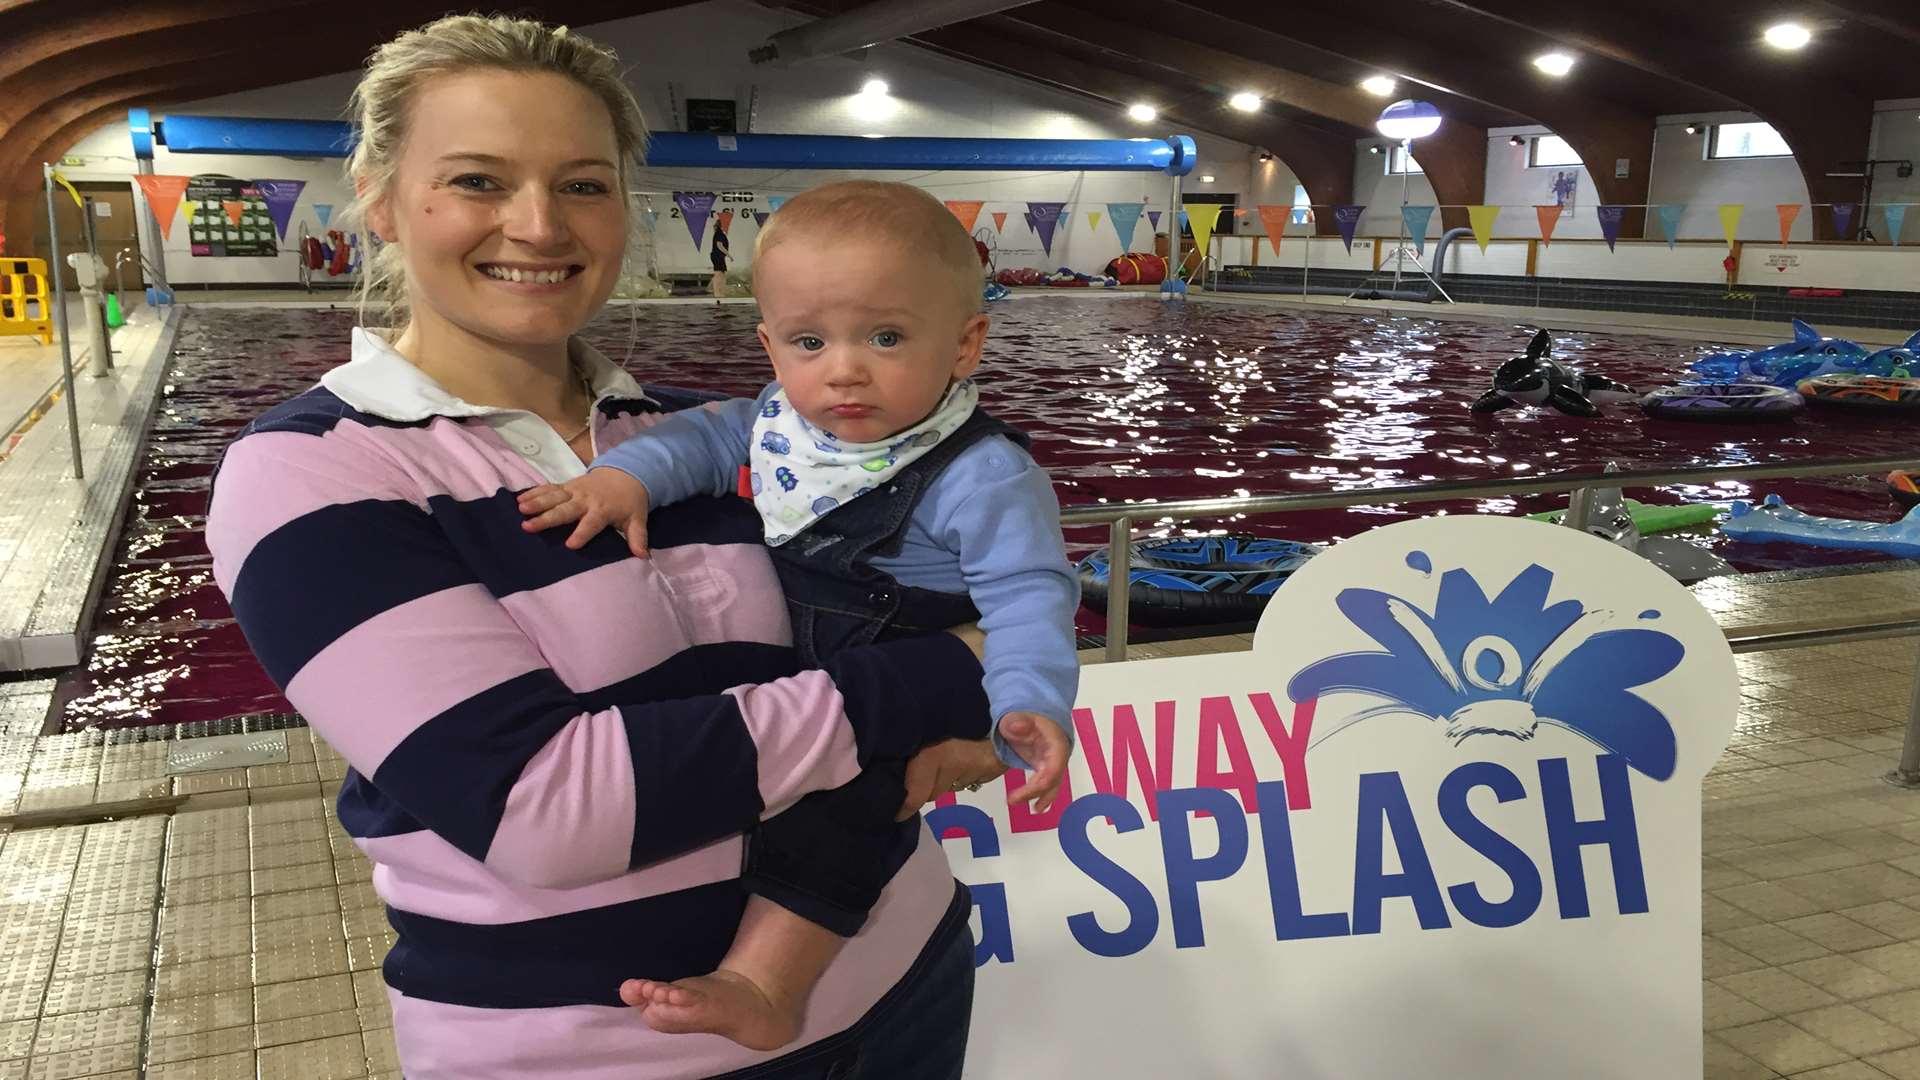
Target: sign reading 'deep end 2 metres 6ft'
point(1442, 821)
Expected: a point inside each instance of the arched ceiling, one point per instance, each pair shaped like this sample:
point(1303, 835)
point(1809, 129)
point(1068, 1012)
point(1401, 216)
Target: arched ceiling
point(69, 67)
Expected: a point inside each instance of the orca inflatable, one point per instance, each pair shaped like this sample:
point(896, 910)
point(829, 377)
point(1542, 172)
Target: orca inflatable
point(1538, 379)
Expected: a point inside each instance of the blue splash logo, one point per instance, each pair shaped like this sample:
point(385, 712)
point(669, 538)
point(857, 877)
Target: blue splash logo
point(1507, 665)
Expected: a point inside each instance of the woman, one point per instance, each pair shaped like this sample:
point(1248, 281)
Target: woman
point(554, 752)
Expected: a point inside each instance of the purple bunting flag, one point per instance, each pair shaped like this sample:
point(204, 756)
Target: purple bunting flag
point(1611, 218)
point(695, 206)
point(1044, 216)
point(1153, 219)
point(1843, 219)
point(280, 196)
point(1347, 219)
point(761, 216)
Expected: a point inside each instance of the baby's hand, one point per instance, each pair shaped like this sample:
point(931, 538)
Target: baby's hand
point(1043, 744)
point(601, 498)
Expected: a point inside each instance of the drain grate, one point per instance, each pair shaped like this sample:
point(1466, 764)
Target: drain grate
point(233, 751)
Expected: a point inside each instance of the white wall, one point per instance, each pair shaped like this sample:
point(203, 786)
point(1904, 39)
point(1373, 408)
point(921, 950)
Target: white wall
point(1682, 173)
point(700, 52)
point(1380, 193)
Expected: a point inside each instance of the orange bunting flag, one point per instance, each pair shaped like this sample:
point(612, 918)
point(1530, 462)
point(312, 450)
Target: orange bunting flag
point(1274, 218)
point(1788, 213)
point(234, 211)
point(1549, 220)
point(999, 220)
point(726, 221)
point(163, 197)
point(968, 211)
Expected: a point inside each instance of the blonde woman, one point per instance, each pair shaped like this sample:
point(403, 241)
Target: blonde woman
point(555, 752)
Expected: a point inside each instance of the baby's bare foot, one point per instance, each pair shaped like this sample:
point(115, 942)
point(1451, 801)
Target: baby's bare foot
point(723, 1003)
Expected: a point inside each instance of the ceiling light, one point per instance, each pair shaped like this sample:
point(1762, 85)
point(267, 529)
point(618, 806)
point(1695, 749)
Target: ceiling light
point(1408, 119)
point(1374, 149)
point(1207, 179)
point(1516, 141)
point(1693, 129)
point(1245, 102)
point(1788, 36)
point(1556, 64)
point(876, 87)
point(1379, 86)
point(1142, 112)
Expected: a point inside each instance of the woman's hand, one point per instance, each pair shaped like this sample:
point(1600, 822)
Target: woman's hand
point(948, 766)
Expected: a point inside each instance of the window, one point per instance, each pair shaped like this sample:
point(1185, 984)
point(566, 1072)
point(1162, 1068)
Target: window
point(1399, 161)
point(1302, 215)
point(1747, 141)
point(1550, 151)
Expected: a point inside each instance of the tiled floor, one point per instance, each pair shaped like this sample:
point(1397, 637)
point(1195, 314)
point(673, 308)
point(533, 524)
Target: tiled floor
point(231, 931)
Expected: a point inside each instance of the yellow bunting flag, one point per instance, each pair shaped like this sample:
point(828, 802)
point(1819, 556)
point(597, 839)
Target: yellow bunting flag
point(1202, 217)
point(163, 198)
point(62, 181)
point(968, 211)
point(1730, 220)
point(1549, 220)
point(1482, 218)
point(1093, 219)
point(1275, 220)
point(234, 209)
point(1788, 213)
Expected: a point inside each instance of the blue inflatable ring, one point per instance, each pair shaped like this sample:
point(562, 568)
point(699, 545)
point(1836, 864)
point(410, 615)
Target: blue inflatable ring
point(1197, 581)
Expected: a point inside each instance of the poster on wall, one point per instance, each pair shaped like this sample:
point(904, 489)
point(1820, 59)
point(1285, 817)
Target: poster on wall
point(228, 218)
point(1441, 821)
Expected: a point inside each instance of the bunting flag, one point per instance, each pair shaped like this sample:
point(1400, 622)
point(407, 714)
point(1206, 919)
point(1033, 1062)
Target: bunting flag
point(280, 195)
point(1611, 218)
point(1184, 227)
point(1043, 216)
point(1417, 219)
point(775, 202)
point(1788, 213)
point(1347, 219)
point(726, 221)
point(999, 220)
point(1093, 220)
point(235, 210)
point(1549, 220)
point(967, 210)
point(694, 207)
point(1274, 219)
point(1153, 219)
point(1670, 221)
point(1843, 219)
point(652, 216)
point(1203, 217)
point(163, 197)
point(760, 217)
point(323, 212)
point(1730, 214)
point(1124, 217)
point(1896, 217)
point(1482, 218)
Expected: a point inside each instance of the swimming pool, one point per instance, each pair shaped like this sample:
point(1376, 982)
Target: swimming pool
point(1127, 399)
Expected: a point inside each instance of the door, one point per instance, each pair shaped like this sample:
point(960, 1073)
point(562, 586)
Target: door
point(113, 231)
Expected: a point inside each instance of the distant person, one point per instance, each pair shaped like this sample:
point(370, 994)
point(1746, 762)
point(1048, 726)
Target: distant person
point(721, 253)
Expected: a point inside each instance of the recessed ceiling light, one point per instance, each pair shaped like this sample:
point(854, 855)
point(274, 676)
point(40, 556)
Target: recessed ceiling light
point(876, 87)
point(1245, 101)
point(1142, 112)
point(1379, 86)
point(1555, 64)
point(1207, 179)
point(1788, 35)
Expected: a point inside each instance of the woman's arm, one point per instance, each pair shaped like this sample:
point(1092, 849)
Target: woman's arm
point(387, 641)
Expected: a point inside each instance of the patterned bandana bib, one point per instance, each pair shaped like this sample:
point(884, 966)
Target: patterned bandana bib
point(800, 472)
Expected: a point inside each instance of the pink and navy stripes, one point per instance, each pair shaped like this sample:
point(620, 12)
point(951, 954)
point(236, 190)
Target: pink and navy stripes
point(554, 752)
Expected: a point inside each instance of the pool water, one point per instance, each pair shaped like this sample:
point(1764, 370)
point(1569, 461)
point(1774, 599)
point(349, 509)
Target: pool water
point(1126, 398)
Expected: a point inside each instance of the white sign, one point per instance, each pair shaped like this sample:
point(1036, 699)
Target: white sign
point(1622, 167)
point(1783, 261)
point(101, 209)
point(1443, 821)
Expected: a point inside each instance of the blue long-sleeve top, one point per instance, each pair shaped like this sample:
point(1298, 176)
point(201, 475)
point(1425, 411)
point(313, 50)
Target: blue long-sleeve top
point(988, 526)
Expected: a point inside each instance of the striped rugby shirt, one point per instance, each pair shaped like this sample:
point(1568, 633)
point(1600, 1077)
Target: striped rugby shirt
point(554, 752)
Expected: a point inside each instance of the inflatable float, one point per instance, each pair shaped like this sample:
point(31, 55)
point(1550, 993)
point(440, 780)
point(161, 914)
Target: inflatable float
point(1904, 487)
point(1196, 581)
point(1138, 268)
point(1773, 521)
point(1648, 518)
point(1537, 379)
point(1725, 403)
point(1863, 392)
point(1809, 355)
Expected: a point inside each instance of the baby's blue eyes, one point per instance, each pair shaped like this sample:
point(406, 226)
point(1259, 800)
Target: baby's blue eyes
point(811, 344)
point(886, 339)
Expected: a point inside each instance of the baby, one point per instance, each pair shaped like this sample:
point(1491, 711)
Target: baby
point(893, 506)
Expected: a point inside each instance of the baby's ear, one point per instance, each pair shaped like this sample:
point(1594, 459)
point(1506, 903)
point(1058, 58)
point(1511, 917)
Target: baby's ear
point(973, 341)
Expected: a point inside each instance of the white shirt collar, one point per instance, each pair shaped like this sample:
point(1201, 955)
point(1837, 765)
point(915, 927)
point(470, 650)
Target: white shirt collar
point(378, 380)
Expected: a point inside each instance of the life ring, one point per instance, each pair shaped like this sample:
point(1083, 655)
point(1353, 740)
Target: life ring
point(1904, 487)
point(1728, 403)
point(1197, 581)
point(1863, 392)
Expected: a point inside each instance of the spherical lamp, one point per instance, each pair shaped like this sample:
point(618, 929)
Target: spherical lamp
point(1408, 119)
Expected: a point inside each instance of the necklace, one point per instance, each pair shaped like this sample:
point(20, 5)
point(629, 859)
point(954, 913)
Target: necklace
point(586, 385)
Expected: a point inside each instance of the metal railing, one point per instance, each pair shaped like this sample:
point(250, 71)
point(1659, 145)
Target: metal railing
point(1579, 485)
